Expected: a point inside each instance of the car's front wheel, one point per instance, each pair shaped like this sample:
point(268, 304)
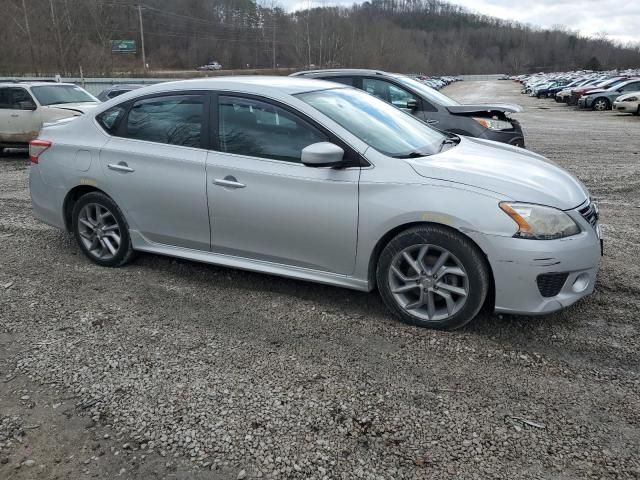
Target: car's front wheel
point(101, 230)
point(601, 104)
point(431, 276)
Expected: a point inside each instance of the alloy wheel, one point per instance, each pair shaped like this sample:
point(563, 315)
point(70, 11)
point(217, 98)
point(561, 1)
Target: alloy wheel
point(99, 231)
point(429, 282)
point(600, 105)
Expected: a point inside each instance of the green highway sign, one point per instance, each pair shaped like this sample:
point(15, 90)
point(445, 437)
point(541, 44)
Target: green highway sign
point(123, 46)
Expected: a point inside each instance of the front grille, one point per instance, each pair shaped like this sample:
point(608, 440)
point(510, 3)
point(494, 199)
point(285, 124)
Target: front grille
point(590, 213)
point(550, 284)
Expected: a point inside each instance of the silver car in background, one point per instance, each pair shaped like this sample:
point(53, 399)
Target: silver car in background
point(317, 181)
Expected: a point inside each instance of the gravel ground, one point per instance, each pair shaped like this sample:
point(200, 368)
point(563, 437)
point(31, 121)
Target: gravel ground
point(173, 369)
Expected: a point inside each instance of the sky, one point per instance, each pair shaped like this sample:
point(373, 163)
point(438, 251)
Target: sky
point(619, 19)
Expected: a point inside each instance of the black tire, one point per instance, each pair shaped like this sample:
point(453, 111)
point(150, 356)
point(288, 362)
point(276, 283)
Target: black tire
point(125, 253)
point(605, 101)
point(466, 252)
point(637, 112)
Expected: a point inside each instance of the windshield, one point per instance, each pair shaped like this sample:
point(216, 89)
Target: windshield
point(428, 93)
point(376, 122)
point(56, 94)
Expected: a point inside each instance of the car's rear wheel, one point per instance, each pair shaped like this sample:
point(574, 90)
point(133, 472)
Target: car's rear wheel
point(601, 104)
point(101, 230)
point(433, 277)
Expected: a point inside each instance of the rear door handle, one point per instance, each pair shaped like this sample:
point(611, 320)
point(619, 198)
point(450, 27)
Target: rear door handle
point(120, 167)
point(431, 121)
point(228, 182)
point(14, 115)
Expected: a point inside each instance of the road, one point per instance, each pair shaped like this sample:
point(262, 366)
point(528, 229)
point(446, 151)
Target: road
point(173, 369)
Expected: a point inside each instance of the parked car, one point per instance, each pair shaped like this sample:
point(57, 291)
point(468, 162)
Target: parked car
point(116, 90)
point(576, 93)
point(628, 103)
point(320, 182)
point(488, 121)
point(26, 106)
point(602, 99)
point(210, 66)
point(549, 88)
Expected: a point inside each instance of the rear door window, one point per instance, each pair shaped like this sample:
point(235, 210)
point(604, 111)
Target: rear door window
point(343, 80)
point(170, 119)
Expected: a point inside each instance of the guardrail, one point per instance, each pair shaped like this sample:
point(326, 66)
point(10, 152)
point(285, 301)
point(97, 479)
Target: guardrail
point(95, 85)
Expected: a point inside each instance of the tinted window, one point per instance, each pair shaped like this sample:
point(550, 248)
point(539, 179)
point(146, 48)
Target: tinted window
point(5, 98)
point(109, 119)
point(631, 87)
point(388, 92)
point(343, 80)
point(57, 94)
point(427, 93)
point(175, 120)
point(260, 129)
point(382, 126)
point(20, 97)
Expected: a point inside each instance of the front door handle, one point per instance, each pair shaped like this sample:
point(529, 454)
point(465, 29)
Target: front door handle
point(14, 115)
point(228, 182)
point(120, 167)
point(431, 121)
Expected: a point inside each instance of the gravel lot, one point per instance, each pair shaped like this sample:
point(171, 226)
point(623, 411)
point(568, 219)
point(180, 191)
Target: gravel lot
point(172, 369)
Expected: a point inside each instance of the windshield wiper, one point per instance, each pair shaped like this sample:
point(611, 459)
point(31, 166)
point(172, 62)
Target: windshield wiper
point(412, 155)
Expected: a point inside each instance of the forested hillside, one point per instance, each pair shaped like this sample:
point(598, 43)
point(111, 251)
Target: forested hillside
point(45, 36)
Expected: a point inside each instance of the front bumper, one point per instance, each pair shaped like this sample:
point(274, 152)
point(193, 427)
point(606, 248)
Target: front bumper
point(513, 137)
point(585, 102)
point(626, 107)
point(517, 264)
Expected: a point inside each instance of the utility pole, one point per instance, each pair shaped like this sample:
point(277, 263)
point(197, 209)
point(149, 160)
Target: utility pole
point(28, 30)
point(144, 55)
point(274, 42)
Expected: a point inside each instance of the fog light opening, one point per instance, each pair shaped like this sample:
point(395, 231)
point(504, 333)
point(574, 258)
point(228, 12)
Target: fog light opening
point(581, 283)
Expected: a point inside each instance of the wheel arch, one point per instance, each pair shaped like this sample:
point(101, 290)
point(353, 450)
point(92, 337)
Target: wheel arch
point(388, 236)
point(606, 101)
point(72, 197)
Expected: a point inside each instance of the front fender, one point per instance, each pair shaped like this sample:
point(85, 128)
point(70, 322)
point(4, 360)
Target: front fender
point(387, 208)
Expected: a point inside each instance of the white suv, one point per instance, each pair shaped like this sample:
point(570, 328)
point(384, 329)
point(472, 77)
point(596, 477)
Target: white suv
point(25, 107)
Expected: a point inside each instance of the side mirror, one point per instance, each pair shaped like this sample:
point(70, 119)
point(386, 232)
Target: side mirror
point(412, 104)
point(323, 154)
point(26, 106)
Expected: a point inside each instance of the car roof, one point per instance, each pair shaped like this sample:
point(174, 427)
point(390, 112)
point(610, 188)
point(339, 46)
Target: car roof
point(340, 72)
point(125, 85)
point(33, 84)
point(248, 84)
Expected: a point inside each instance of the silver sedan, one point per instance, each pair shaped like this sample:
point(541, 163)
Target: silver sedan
point(320, 182)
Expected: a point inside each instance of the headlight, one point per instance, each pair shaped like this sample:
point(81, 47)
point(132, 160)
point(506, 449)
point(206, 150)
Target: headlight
point(492, 124)
point(536, 222)
point(630, 99)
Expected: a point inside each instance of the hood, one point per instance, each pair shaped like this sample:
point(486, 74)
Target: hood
point(595, 90)
point(518, 174)
point(83, 107)
point(484, 108)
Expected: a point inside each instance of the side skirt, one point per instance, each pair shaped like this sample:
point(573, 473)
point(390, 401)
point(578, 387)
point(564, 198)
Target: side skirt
point(141, 244)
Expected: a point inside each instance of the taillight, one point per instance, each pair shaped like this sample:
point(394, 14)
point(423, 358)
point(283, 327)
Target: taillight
point(37, 148)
